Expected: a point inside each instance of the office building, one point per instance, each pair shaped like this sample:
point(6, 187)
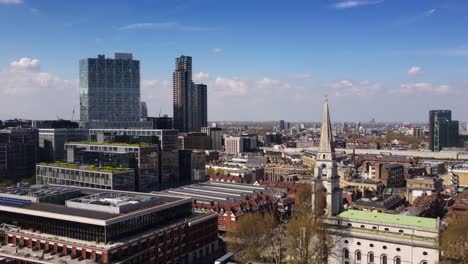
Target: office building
point(70, 174)
point(194, 140)
point(142, 158)
point(191, 166)
point(233, 145)
point(182, 94)
point(162, 122)
point(443, 131)
point(168, 144)
point(54, 124)
point(392, 175)
point(216, 135)
point(70, 225)
point(52, 142)
point(282, 125)
point(18, 153)
point(143, 110)
point(200, 107)
point(273, 138)
point(110, 92)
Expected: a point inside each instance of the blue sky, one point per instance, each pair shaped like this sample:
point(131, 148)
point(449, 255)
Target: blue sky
point(262, 60)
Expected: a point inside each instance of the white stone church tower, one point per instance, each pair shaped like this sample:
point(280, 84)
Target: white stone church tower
point(325, 171)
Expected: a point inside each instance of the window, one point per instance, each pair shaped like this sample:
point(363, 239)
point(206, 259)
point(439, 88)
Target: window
point(350, 225)
point(358, 255)
point(374, 227)
point(346, 241)
point(397, 260)
point(358, 243)
point(401, 231)
point(371, 257)
point(384, 247)
point(363, 226)
point(425, 253)
point(386, 229)
point(398, 249)
point(371, 245)
point(346, 253)
point(384, 259)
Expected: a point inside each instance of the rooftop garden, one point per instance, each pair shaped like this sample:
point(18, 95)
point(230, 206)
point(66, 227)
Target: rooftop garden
point(90, 167)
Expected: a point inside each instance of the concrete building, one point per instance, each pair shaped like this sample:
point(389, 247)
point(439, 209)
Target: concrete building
point(104, 227)
point(110, 92)
point(457, 176)
point(200, 107)
point(423, 185)
point(194, 140)
point(392, 175)
point(216, 135)
point(182, 94)
point(233, 145)
point(18, 153)
point(69, 174)
point(143, 158)
point(52, 142)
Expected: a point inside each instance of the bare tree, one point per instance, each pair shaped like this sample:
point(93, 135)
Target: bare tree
point(454, 240)
point(251, 237)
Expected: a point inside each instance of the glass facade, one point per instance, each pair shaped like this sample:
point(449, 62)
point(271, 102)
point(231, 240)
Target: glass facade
point(200, 107)
point(110, 89)
point(182, 104)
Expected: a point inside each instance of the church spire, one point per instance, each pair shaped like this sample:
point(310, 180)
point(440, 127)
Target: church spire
point(326, 136)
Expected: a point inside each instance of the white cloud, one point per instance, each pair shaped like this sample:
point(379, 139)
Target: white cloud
point(25, 64)
point(231, 86)
point(28, 92)
point(421, 87)
point(430, 12)
point(11, 2)
point(351, 87)
point(165, 26)
point(356, 3)
point(217, 51)
point(200, 76)
point(415, 70)
point(300, 76)
point(267, 82)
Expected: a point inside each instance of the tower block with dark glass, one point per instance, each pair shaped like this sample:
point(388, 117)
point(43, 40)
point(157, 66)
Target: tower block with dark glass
point(325, 171)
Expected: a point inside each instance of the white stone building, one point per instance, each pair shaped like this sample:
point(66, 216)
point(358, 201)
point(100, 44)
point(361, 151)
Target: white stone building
point(363, 237)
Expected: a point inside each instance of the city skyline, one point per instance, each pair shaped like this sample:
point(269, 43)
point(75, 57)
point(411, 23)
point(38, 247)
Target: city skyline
point(394, 65)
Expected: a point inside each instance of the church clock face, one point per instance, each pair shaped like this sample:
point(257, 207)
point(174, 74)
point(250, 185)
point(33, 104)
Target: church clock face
point(324, 171)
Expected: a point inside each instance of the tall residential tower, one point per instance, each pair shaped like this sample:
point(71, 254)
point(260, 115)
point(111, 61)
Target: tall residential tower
point(183, 86)
point(200, 107)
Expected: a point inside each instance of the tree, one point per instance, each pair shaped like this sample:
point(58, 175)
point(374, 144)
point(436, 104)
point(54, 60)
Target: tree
point(454, 240)
point(252, 236)
point(308, 241)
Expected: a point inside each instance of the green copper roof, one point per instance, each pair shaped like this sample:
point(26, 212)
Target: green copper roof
point(390, 218)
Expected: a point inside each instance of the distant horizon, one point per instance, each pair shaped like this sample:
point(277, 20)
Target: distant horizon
point(385, 60)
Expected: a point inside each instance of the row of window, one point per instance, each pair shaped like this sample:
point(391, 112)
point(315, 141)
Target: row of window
point(371, 258)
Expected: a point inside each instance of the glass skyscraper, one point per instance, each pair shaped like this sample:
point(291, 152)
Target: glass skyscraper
point(110, 91)
point(444, 132)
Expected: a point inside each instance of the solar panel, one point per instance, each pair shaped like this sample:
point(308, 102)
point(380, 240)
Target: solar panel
point(13, 202)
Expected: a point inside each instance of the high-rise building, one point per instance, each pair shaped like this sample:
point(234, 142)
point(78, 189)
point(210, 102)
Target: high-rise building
point(52, 142)
point(200, 107)
point(143, 110)
point(282, 125)
point(18, 153)
point(443, 131)
point(110, 92)
point(182, 100)
point(216, 134)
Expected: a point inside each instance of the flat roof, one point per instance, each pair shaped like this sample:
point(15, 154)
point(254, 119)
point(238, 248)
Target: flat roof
point(390, 218)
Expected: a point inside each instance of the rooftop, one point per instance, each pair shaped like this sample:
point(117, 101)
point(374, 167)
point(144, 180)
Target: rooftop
point(116, 144)
point(390, 218)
